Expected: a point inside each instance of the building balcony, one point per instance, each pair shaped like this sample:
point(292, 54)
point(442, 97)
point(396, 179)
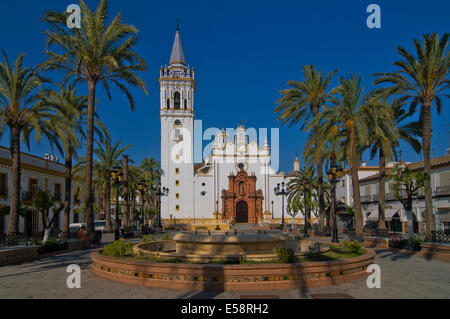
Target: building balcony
point(28, 196)
point(442, 190)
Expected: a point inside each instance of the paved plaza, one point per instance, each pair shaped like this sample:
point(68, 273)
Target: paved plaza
point(402, 276)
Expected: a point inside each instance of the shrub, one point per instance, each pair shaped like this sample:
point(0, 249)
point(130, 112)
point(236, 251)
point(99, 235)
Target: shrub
point(115, 249)
point(51, 246)
point(147, 238)
point(416, 239)
point(353, 247)
point(398, 243)
point(285, 256)
point(166, 236)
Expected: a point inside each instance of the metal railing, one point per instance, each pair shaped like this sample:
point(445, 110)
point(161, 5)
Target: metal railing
point(442, 190)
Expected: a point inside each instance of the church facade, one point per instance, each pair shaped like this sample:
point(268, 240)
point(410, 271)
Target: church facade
point(235, 182)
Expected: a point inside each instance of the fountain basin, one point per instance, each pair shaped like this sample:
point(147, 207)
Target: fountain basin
point(219, 247)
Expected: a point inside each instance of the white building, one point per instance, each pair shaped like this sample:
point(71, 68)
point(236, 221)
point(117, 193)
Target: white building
point(234, 182)
point(395, 214)
point(37, 173)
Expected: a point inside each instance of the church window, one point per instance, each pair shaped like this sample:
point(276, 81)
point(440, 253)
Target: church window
point(177, 123)
point(177, 207)
point(203, 193)
point(185, 104)
point(168, 103)
point(177, 183)
point(241, 187)
point(177, 170)
point(203, 184)
point(177, 100)
point(177, 196)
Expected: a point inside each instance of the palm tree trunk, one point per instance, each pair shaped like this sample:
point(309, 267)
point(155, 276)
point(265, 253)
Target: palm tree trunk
point(426, 140)
point(88, 195)
point(354, 164)
point(381, 191)
point(13, 226)
point(126, 212)
point(108, 228)
point(321, 195)
point(133, 205)
point(68, 192)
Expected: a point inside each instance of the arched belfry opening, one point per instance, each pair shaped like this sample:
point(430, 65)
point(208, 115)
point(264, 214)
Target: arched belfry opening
point(177, 100)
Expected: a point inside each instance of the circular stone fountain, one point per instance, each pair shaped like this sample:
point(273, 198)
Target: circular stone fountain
point(217, 247)
point(200, 262)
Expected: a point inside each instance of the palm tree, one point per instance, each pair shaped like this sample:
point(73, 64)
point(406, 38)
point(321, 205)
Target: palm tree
point(386, 143)
point(384, 137)
point(302, 101)
point(423, 79)
point(351, 117)
point(18, 91)
point(108, 155)
point(328, 148)
point(95, 53)
point(68, 126)
point(151, 172)
point(297, 192)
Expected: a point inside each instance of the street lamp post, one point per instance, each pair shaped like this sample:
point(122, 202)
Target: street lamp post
point(117, 178)
point(334, 174)
point(281, 191)
point(160, 191)
point(272, 209)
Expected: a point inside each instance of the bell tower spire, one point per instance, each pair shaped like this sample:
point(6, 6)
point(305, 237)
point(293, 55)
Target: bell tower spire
point(177, 56)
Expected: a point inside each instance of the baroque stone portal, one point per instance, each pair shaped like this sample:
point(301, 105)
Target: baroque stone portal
point(242, 202)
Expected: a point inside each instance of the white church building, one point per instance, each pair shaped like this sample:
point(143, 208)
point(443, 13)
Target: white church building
point(234, 183)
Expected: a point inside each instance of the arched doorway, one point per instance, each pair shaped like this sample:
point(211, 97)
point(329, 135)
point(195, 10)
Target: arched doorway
point(415, 224)
point(396, 224)
point(242, 212)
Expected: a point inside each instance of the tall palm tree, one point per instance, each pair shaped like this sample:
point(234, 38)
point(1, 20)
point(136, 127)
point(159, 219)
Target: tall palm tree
point(19, 111)
point(108, 155)
point(393, 130)
point(302, 101)
point(95, 53)
point(352, 116)
point(328, 148)
point(422, 80)
point(384, 137)
point(68, 125)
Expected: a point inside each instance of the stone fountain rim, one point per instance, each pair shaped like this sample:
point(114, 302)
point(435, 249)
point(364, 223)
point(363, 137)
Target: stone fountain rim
point(230, 239)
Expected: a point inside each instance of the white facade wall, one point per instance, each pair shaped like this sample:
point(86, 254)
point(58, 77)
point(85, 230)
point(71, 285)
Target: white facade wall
point(48, 174)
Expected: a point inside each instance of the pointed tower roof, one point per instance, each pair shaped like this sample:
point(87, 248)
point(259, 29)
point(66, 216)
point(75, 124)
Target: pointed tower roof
point(177, 50)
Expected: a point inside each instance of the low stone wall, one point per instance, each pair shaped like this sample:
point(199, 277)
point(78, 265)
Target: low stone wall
point(429, 251)
point(249, 277)
point(17, 255)
point(375, 242)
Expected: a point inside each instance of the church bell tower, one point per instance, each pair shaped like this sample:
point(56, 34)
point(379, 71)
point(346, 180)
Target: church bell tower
point(177, 88)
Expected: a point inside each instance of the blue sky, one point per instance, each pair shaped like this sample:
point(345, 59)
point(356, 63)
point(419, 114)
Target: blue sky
point(243, 53)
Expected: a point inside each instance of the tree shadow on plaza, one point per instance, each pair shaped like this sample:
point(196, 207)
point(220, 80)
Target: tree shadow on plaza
point(80, 258)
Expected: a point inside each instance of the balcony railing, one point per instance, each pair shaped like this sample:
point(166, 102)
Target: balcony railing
point(28, 195)
point(442, 190)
